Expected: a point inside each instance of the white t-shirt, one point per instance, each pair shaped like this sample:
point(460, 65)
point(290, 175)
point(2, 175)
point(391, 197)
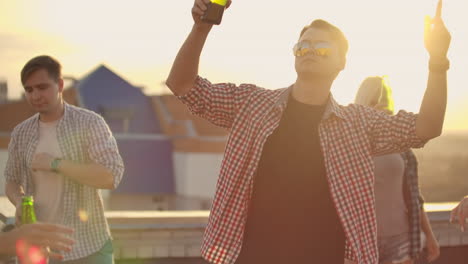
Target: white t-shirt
point(48, 186)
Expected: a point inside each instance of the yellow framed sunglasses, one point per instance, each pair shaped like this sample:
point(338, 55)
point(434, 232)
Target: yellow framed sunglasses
point(304, 47)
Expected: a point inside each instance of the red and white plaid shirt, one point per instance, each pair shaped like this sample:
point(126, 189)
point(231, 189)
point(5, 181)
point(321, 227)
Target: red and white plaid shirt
point(349, 137)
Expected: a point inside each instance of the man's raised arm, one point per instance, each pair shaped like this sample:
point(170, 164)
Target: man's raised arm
point(432, 111)
point(184, 71)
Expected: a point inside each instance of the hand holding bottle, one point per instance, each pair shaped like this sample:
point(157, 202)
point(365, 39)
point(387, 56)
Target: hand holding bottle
point(23, 238)
point(19, 210)
point(209, 12)
point(44, 236)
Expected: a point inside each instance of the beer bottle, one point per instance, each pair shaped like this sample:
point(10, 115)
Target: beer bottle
point(214, 12)
point(29, 253)
point(28, 215)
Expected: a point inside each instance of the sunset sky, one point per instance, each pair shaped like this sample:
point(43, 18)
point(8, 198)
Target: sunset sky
point(139, 40)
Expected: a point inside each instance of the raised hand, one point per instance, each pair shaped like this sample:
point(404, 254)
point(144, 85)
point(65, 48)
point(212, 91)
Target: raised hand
point(199, 8)
point(436, 36)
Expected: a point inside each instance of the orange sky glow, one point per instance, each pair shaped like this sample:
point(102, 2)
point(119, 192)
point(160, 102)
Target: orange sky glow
point(139, 40)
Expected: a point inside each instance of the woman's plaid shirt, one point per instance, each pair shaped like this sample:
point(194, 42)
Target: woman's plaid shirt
point(83, 137)
point(414, 203)
point(349, 137)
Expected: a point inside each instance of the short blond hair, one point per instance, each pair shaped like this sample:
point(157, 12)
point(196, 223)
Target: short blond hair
point(375, 92)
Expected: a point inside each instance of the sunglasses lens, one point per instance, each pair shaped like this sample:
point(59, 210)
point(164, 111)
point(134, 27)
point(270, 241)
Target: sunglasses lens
point(323, 51)
point(301, 48)
point(322, 48)
point(296, 50)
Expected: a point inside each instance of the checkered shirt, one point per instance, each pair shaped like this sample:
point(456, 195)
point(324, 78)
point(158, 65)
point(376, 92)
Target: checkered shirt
point(349, 136)
point(83, 137)
point(414, 202)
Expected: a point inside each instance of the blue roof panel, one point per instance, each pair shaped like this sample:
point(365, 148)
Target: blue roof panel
point(106, 93)
point(148, 166)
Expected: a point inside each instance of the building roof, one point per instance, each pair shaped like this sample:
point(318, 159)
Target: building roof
point(125, 107)
point(148, 129)
point(146, 151)
point(105, 92)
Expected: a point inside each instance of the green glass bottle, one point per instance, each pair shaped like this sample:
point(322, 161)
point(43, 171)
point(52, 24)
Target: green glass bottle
point(29, 254)
point(28, 215)
point(214, 13)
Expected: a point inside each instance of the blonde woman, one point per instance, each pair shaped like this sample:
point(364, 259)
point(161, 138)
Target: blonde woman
point(399, 206)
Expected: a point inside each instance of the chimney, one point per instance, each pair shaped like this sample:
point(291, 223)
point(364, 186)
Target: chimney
point(3, 91)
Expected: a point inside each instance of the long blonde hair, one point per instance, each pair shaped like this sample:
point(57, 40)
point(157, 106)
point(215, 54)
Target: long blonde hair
point(377, 93)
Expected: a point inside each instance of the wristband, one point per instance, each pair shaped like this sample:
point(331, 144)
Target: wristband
point(55, 164)
point(439, 65)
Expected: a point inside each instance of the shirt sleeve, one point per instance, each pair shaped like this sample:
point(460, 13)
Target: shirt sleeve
point(103, 149)
point(217, 103)
point(392, 133)
point(13, 166)
point(349, 253)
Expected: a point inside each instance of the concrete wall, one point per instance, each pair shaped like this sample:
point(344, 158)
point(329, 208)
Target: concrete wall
point(157, 235)
point(196, 174)
point(176, 237)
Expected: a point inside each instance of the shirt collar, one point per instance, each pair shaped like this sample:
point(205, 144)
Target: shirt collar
point(66, 111)
point(332, 108)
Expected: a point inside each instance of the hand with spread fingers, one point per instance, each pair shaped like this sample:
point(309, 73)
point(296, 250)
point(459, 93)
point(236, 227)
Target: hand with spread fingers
point(460, 213)
point(436, 36)
point(26, 237)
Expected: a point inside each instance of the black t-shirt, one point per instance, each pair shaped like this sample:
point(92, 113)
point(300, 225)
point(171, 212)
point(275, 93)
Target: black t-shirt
point(291, 217)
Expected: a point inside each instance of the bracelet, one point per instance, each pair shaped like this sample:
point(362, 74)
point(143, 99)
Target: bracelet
point(55, 164)
point(439, 65)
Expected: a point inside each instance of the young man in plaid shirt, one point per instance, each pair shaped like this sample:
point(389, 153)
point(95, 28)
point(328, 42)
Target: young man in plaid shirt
point(62, 156)
point(296, 182)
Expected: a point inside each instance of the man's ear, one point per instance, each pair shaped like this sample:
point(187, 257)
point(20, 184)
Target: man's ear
point(60, 85)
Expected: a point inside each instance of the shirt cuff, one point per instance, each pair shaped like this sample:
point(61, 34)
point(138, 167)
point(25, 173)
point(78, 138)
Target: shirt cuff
point(194, 91)
point(413, 139)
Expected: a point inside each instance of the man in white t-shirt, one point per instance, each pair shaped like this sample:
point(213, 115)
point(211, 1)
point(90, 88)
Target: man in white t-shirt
point(63, 156)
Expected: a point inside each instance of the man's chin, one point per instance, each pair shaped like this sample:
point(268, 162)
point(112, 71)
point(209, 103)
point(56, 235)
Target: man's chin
point(40, 109)
point(313, 74)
